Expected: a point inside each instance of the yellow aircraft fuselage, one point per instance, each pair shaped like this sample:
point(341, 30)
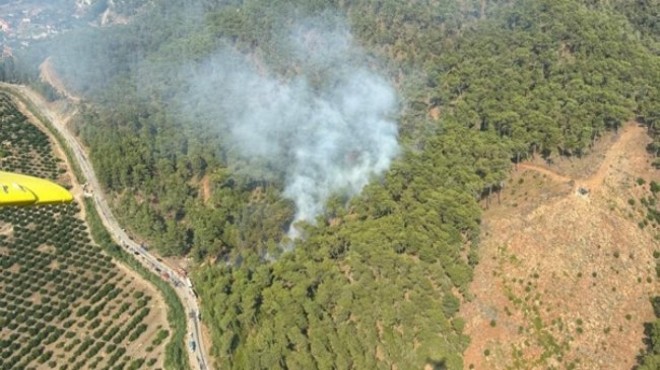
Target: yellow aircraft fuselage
point(23, 190)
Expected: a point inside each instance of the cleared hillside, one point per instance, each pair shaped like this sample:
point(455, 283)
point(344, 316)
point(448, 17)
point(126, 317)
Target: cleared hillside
point(567, 277)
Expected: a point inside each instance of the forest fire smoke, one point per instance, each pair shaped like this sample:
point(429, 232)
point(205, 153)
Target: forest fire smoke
point(326, 131)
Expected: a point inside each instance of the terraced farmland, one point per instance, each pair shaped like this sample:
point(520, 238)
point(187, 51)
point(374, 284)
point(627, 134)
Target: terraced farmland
point(64, 304)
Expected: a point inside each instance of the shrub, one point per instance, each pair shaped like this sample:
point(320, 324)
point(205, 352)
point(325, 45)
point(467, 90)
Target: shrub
point(137, 332)
point(655, 187)
point(162, 335)
point(110, 348)
point(82, 310)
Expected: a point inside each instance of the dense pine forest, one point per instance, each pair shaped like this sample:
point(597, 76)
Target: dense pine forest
point(377, 281)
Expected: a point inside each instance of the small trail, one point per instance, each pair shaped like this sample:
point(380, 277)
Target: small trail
point(630, 131)
point(545, 171)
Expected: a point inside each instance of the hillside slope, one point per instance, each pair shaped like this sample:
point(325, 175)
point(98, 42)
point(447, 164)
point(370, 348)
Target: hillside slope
point(378, 278)
point(567, 277)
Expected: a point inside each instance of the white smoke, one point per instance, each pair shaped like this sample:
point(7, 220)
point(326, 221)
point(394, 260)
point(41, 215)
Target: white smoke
point(328, 130)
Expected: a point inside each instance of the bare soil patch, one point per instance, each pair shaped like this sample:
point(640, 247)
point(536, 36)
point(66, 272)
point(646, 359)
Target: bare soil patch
point(434, 113)
point(47, 248)
point(206, 188)
point(565, 278)
point(48, 74)
point(206, 339)
point(6, 229)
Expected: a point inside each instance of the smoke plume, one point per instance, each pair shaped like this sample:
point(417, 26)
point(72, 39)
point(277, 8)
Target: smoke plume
point(327, 130)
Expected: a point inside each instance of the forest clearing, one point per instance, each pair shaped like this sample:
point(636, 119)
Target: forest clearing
point(565, 278)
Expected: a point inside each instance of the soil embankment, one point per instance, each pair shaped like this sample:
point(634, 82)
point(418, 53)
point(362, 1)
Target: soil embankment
point(48, 75)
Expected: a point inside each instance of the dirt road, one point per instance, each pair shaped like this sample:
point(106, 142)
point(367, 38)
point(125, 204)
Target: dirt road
point(49, 76)
point(183, 287)
point(626, 134)
point(552, 174)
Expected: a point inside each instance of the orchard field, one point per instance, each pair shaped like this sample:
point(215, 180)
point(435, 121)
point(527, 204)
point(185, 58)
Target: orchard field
point(64, 303)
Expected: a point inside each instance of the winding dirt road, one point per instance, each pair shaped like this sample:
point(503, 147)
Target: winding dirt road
point(182, 286)
point(629, 132)
point(542, 170)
